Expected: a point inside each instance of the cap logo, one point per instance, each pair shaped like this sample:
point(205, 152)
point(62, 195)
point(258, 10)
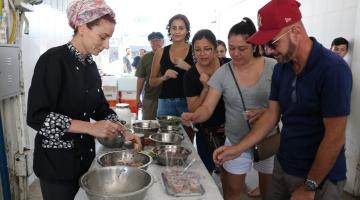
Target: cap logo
point(287, 19)
point(259, 20)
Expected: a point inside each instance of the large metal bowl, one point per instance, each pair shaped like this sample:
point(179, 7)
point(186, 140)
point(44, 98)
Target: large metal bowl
point(170, 155)
point(168, 120)
point(116, 142)
point(124, 158)
point(146, 127)
point(116, 183)
point(166, 138)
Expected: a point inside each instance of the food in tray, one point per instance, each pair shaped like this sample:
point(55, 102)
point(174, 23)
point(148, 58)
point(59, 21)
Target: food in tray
point(182, 185)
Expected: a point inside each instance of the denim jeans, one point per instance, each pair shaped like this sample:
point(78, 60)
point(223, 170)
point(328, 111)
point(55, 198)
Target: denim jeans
point(175, 107)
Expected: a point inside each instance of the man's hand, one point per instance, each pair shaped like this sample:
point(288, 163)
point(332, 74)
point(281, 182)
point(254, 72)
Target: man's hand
point(186, 118)
point(302, 194)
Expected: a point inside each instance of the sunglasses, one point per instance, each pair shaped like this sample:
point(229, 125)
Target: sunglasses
point(272, 44)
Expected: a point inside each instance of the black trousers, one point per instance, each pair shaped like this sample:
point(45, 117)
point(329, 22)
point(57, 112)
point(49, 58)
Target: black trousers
point(58, 191)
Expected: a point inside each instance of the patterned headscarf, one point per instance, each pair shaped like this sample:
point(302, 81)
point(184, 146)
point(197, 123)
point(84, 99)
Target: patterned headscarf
point(81, 12)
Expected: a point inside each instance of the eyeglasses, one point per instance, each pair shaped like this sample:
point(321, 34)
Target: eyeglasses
point(293, 93)
point(206, 51)
point(272, 44)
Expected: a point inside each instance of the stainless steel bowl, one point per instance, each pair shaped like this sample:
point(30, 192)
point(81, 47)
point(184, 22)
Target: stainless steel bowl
point(116, 142)
point(146, 127)
point(171, 129)
point(166, 138)
point(168, 120)
point(170, 155)
point(124, 158)
point(116, 183)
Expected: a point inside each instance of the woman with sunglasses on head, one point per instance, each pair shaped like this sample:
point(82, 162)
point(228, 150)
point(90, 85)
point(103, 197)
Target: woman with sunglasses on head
point(65, 93)
point(211, 132)
point(169, 66)
point(252, 73)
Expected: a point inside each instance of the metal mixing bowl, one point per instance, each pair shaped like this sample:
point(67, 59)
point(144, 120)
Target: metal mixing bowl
point(116, 183)
point(170, 155)
point(146, 127)
point(168, 120)
point(166, 138)
point(171, 129)
point(125, 157)
point(116, 142)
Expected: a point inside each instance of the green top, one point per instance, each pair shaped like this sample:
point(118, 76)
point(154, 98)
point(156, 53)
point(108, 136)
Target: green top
point(143, 71)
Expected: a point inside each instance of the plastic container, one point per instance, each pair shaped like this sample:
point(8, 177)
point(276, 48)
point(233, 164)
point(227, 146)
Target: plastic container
point(123, 112)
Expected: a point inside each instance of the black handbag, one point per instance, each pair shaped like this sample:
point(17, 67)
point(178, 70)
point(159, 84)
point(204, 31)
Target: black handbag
point(269, 145)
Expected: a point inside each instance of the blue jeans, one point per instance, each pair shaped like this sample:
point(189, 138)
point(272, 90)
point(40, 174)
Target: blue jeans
point(175, 107)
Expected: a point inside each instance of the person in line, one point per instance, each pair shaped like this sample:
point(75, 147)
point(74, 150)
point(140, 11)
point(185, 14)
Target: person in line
point(149, 103)
point(65, 93)
point(127, 61)
point(221, 50)
point(340, 46)
point(137, 58)
point(253, 74)
point(310, 163)
point(169, 66)
point(211, 132)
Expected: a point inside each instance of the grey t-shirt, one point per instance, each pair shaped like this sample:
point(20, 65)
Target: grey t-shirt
point(255, 96)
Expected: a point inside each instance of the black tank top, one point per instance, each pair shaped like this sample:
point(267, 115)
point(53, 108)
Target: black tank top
point(173, 88)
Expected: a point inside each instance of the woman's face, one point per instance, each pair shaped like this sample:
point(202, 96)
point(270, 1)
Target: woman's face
point(240, 51)
point(221, 51)
point(97, 38)
point(178, 30)
point(204, 52)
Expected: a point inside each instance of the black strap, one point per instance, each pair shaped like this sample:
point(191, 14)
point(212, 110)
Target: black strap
point(241, 96)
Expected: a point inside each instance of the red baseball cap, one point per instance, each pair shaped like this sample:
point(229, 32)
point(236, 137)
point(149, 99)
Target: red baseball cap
point(274, 16)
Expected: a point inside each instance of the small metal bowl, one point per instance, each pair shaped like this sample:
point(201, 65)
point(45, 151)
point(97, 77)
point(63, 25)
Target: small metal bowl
point(116, 142)
point(116, 183)
point(171, 129)
point(168, 120)
point(170, 155)
point(124, 158)
point(166, 138)
point(146, 127)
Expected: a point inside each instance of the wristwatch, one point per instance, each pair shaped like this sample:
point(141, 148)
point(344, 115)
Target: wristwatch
point(310, 185)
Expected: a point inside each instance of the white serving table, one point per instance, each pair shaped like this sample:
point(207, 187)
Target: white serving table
point(157, 190)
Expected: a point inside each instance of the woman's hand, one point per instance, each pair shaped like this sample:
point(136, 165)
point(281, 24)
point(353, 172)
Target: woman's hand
point(186, 118)
point(254, 115)
point(170, 74)
point(134, 138)
point(204, 78)
point(180, 63)
point(225, 153)
point(104, 129)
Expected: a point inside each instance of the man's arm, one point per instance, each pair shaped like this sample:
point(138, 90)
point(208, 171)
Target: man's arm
point(139, 87)
point(263, 126)
point(329, 149)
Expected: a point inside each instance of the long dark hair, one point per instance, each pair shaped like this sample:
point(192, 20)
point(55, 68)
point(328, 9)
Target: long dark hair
point(186, 22)
point(246, 28)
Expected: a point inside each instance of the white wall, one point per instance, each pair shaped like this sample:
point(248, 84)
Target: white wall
point(325, 20)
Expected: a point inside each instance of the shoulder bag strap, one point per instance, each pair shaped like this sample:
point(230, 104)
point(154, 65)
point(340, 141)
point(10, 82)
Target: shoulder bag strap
point(241, 96)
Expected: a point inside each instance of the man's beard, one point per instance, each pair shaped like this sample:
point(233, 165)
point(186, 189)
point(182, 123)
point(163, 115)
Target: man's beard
point(289, 54)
